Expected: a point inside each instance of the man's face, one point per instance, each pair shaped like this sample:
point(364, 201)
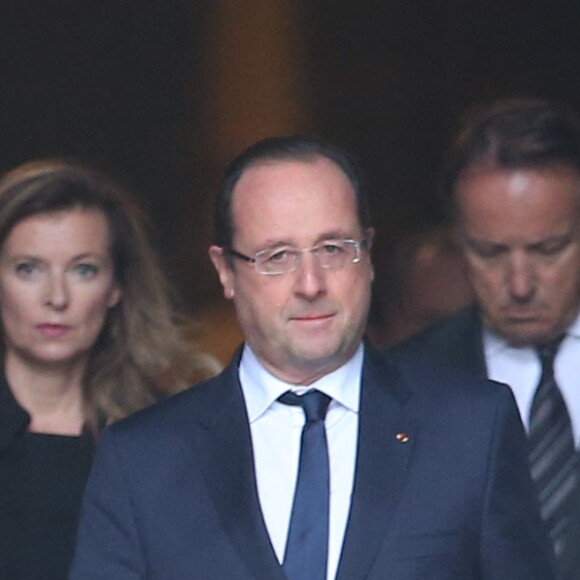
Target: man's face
point(520, 231)
point(306, 323)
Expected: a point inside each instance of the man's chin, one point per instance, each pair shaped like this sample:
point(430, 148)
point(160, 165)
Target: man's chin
point(313, 358)
point(316, 356)
point(530, 334)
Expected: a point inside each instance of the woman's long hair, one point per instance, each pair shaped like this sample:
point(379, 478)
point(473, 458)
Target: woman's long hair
point(141, 354)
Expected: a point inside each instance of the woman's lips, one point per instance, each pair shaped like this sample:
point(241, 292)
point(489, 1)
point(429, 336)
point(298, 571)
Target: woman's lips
point(53, 330)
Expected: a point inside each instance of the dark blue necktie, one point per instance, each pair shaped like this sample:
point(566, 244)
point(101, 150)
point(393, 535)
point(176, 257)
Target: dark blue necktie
point(553, 458)
point(306, 554)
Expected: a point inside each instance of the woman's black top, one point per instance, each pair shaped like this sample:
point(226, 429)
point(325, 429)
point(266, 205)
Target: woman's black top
point(42, 478)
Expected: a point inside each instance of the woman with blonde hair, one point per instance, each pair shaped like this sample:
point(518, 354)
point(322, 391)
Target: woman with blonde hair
point(88, 336)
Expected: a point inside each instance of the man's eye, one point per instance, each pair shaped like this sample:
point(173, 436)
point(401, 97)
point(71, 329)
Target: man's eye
point(551, 248)
point(331, 248)
point(486, 251)
point(278, 256)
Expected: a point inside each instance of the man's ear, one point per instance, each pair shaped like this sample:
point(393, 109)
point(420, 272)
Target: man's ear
point(369, 235)
point(223, 269)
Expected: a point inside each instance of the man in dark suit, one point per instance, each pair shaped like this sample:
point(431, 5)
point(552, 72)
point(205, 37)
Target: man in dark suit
point(513, 185)
point(310, 457)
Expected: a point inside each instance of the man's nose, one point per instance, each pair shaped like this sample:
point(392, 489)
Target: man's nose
point(521, 277)
point(310, 279)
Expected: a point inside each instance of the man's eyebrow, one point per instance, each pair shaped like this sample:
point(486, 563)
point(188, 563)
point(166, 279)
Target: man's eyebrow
point(333, 235)
point(271, 243)
point(556, 238)
point(479, 241)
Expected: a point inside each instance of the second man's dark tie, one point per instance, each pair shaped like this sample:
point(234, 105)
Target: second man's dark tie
point(553, 458)
point(306, 554)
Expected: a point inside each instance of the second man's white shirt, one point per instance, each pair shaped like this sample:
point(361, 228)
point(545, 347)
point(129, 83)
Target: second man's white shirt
point(520, 369)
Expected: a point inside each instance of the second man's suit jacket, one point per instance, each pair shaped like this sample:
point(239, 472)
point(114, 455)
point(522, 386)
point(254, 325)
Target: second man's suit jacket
point(456, 342)
point(173, 493)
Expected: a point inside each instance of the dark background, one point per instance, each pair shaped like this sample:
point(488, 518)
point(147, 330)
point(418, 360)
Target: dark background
point(161, 93)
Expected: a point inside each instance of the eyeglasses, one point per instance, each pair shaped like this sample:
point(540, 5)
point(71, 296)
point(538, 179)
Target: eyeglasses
point(330, 254)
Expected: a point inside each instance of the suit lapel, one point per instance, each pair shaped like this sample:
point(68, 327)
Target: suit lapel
point(225, 453)
point(381, 466)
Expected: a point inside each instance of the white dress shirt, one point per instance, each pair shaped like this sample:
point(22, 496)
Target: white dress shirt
point(520, 368)
point(276, 430)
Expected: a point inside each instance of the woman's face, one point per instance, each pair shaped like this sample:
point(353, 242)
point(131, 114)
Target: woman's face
point(57, 283)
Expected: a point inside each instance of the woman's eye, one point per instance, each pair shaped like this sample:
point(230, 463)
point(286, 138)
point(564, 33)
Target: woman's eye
point(26, 268)
point(86, 270)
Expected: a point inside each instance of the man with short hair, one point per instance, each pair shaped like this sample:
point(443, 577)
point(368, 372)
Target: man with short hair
point(310, 457)
point(513, 185)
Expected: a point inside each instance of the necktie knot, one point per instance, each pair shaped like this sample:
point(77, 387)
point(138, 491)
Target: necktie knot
point(547, 353)
point(314, 403)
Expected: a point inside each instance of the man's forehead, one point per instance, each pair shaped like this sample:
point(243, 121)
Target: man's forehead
point(277, 179)
point(294, 201)
point(552, 188)
point(519, 177)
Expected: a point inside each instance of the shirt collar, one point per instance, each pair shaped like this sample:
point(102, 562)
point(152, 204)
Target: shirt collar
point(261, 388)
point(493, 342)
point(574, 329)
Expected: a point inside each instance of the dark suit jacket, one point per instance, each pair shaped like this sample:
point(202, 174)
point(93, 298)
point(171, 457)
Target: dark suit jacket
point(456, 342)
point(173, 494)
